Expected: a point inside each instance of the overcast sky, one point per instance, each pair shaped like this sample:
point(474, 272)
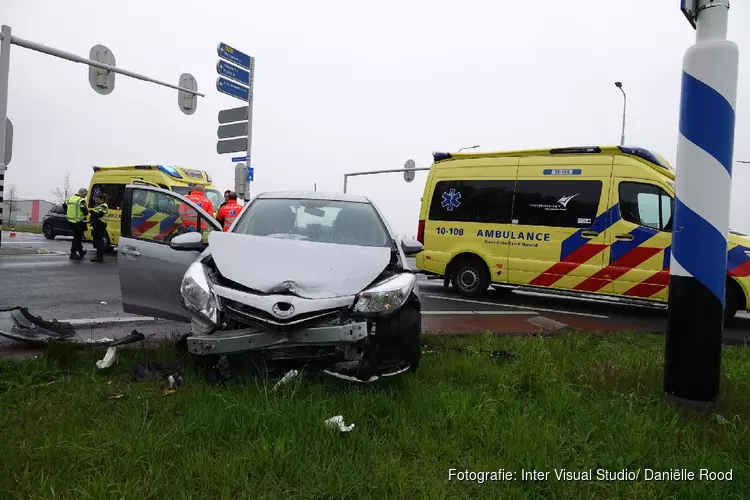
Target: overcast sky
point(342, 86)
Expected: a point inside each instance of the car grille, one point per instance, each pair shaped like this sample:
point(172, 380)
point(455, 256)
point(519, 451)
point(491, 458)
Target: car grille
point(257, 317)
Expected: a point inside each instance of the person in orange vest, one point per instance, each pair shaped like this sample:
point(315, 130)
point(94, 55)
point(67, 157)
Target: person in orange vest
point(189, 216)
point(229, 211)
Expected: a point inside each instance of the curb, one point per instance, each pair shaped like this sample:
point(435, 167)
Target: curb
point(97, 322)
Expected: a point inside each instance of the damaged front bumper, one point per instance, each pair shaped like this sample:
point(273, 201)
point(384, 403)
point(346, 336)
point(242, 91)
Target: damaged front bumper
point(240, 341)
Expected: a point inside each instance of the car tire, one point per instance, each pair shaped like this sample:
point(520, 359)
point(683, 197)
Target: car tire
point(470, 276)
point(397, 337)
point(731, 302)
point(48, 232)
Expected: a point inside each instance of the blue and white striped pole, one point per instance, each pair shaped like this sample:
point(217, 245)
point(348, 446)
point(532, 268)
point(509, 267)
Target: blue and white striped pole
point(701, 220)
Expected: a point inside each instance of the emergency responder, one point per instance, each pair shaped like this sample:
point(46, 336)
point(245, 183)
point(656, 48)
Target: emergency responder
point(76, 212)
point(99, 215)
point(226, 199)
point(229, 211)
point(189, 216)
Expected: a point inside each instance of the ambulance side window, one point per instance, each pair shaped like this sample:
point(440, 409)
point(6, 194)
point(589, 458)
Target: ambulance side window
point(562, 203)
point(646, 205)
point(114, 193)
point(472, 201)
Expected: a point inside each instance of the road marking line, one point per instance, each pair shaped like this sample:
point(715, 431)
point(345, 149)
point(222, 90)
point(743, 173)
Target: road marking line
point(97, 321)
point(470, 313)
point(540, 309)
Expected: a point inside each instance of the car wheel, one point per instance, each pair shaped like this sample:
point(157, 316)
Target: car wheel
point(47, 231)
point(470, 276)
point(732, 302)
point(397, 340)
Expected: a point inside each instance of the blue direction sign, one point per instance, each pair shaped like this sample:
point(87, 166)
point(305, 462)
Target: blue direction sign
point(233, 72)
point(233, 55)
point(239, 158)
point(234, 89)
point(250, 173)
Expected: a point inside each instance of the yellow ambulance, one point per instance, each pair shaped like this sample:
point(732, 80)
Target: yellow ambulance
point(112, 182)
point(582, 220)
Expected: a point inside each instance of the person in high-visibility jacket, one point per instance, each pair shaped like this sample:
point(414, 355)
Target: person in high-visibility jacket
point(188, 216)
point(229, 211)
point(76, 212)
point(99, 215)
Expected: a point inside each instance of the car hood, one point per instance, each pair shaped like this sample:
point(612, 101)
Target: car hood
point(306, 269)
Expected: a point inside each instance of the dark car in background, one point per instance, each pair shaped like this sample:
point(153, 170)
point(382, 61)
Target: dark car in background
point(55, 223)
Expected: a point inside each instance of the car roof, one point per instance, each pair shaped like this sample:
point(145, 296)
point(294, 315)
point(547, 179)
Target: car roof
point(314, 195)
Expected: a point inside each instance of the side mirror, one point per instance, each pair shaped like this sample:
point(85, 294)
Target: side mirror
point(188, 241)
point(411, 247)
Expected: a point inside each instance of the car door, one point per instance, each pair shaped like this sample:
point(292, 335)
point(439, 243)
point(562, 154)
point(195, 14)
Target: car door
point(59, 221)
point(150, 270)
point(640, 241)
point(560, 215)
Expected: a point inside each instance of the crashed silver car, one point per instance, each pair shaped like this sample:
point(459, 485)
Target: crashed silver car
point(307, 278)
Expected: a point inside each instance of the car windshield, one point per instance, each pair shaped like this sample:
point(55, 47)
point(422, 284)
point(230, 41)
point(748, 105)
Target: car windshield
point(322, 221)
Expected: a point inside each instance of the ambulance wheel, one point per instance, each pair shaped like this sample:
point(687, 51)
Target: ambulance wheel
point(470, 276)
point(732, 302)
point(108, 248)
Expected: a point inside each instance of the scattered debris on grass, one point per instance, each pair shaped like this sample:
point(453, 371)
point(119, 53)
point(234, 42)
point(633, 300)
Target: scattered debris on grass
point(286, 378)
point(109, 358)
point(338, 421)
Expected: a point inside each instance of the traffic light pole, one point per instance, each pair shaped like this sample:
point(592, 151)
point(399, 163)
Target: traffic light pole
point(373, 172)
point(692, 359)
point(6, 39)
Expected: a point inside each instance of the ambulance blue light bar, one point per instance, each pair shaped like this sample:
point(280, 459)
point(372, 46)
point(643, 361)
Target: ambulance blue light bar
point(169, 170)
point(644, 154)
point(441, 156)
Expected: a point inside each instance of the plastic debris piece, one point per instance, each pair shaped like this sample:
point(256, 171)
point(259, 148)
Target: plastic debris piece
point(286, 378)
point(117, 396)
point(102, 340)
point(175, 381)
point(102, 302)
point(108, 359)
point(338, 421)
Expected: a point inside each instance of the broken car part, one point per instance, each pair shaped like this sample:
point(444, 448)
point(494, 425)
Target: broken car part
point(338, 422)
point(18, 324)
point(108, 359)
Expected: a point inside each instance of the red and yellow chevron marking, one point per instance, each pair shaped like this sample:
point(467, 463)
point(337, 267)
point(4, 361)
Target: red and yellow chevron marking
point(152, 225)
point(567, 264)
point(651, 285)
point(617, 269)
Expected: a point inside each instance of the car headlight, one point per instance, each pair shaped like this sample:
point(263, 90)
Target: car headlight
point(387, 296)
point(197, 293)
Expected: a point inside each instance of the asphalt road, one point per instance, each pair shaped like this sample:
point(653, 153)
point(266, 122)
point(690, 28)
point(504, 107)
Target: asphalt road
point(53, 286)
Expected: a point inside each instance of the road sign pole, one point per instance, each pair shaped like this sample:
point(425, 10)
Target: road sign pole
point(4, 70)
point(250, 123)
point(692, 358)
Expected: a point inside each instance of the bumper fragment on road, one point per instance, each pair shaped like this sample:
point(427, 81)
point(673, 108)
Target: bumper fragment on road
point(18, 324)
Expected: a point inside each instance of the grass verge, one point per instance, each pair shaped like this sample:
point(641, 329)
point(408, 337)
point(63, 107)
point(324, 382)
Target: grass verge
point(24, 229)
point(574, 402)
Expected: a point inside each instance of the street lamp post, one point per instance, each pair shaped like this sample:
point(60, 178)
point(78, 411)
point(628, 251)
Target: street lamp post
point(470, 147)
point(624, 106)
